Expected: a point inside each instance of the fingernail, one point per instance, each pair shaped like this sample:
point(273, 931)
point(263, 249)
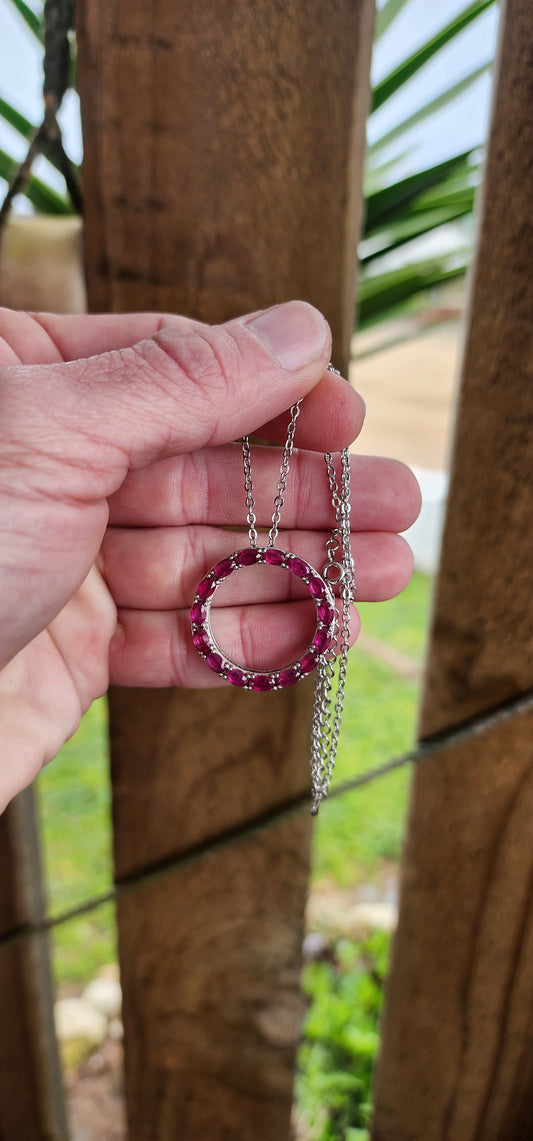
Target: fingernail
point(295, 334)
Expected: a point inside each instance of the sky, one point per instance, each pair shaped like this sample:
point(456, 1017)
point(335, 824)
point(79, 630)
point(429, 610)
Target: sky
point(456, 129)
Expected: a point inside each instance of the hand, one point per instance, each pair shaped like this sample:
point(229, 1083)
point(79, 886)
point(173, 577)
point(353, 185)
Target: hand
point(117, 477)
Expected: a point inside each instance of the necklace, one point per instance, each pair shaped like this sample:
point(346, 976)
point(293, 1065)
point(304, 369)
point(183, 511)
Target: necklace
point(328, 649)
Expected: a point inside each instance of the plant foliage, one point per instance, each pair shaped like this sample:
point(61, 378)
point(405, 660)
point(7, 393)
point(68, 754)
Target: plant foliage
point(399, 210)
point(340, 1040)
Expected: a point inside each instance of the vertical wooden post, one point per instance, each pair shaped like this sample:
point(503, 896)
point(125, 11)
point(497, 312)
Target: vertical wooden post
point(223, 165)
point(457, 1056)
point(31, 1099)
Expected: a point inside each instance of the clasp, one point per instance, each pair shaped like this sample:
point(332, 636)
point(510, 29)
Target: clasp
point(337, 576)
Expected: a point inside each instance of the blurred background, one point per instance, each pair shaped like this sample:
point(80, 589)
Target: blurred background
point(431, 80)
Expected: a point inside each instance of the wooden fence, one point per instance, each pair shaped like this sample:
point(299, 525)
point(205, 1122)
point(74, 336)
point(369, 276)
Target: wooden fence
point(210, 198)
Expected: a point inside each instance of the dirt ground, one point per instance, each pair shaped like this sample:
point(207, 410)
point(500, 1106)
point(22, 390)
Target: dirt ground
point(94, 1096)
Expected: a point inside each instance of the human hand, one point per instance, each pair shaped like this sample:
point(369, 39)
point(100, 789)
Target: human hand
point(117, 479)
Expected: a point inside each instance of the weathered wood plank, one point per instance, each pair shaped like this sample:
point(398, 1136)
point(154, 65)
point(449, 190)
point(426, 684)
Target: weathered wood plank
point(31, 1099)
point(223, 162)
point(456, 1055)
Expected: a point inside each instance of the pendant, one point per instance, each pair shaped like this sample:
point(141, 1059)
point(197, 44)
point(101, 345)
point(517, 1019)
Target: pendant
point(263, 680)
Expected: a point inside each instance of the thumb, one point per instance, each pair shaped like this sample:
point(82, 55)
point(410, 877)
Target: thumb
point(174, 392)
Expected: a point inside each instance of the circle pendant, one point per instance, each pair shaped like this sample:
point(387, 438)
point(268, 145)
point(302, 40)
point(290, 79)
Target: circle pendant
point(263, 680)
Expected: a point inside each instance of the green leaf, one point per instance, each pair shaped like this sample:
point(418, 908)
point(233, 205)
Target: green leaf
point(428, 109)
point(381, 294)
point(16, 120)
point(30, 18)
point(386, 15)
point(405, 230)
point(46, 200)
point(388, 202)
point(396, 79)
point(451, 192)
point(376, 178)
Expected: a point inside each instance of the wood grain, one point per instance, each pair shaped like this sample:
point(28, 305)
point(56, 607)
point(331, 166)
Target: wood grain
point(458, 1032)
point(222, 173)
point(31, 1099)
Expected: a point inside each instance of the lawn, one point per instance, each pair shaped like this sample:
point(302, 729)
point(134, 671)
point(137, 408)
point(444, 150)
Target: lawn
point(353, 833)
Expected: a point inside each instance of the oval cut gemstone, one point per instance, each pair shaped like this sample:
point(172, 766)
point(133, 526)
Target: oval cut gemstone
point(262, 682)
point(214, 661)
point(316, 587)
point(198, 613)
point(325, 613)
point(308, 663)
point(206, 588)
point(298, 567)
point(223, 568)
point(247, 558)
point(274, 557)
point(322, 640)
point(287, 677)
point(201, 641)
point(236, 677)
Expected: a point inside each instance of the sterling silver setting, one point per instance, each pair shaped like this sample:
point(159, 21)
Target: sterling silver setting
point(261, 680)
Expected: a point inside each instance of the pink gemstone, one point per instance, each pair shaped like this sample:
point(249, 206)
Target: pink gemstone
point(322, 640)
point(236, 677)
point(325, 613)
point(262, 682)
point(206, 588)
point(198, 613)
point(214, 661)
point(308, 663)
point(297, 566)
point(316, 587)
point(201, 641)
point(274, 557)
point(247, 558)
point(287, 677)
point(223, 568)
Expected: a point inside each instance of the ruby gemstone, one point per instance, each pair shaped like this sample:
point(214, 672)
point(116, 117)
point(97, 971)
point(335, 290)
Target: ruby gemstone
point(298, 567)
point(316, 587)
point(262, 682)
point(322, 640)
point(325, 613)
point(236, 677)
point(198, 613)
point(201, 641)
point(223, 568)
point(206, 588)
point(274, 557)
point(248, 557)
point(287, 677)
point(308, 663)
point(214, 661)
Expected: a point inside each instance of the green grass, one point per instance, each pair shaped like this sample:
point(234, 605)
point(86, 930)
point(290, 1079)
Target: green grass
point(401, 622)
point(74, 801)
point(354, 834)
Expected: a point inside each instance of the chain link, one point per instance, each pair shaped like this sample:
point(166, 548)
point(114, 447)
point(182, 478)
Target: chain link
point(281, 485)
point(283, 473)
point(331, 674)
point(251, 517)
point(339, 571)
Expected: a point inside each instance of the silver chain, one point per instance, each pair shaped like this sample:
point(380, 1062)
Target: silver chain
point(331, 670)
point(338, 571)
point(281, 488)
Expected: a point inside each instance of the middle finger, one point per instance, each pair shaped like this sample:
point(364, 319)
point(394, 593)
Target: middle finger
point(160, 568)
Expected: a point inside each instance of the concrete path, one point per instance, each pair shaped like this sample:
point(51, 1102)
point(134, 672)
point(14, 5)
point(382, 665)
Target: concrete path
point(407, 377)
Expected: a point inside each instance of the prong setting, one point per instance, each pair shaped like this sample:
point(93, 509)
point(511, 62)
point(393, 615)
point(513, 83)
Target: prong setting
point(260, 680)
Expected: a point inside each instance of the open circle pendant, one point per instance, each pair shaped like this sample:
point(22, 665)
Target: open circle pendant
point(263, 680)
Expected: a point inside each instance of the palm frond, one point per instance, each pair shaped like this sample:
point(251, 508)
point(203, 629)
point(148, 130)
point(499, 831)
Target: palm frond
point(405, 71)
